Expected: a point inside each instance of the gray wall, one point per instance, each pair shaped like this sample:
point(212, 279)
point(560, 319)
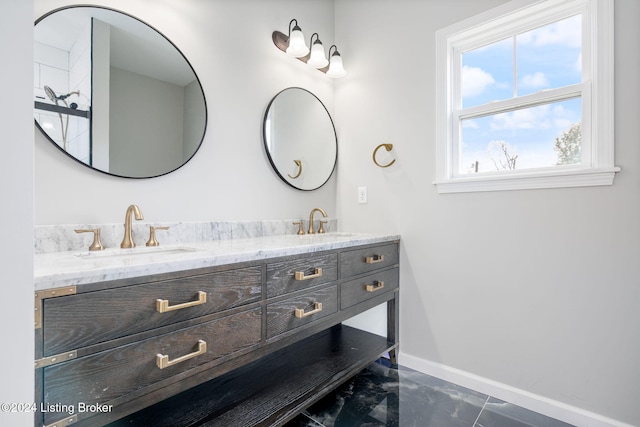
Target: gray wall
point(146, 124)
point(194, 120)
point(536, 290)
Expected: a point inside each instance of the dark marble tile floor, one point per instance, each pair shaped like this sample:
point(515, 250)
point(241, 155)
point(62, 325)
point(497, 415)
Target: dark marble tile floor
point(381, 395)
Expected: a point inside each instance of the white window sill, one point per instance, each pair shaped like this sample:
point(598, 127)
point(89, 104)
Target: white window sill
point(526, 181)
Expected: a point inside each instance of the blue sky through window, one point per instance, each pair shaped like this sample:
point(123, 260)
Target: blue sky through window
point(548, 57)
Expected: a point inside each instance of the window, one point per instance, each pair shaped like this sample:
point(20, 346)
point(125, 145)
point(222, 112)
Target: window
point(525, 97)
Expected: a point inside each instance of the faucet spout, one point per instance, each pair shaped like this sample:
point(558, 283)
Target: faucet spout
point(127, 241)
point(311, 229)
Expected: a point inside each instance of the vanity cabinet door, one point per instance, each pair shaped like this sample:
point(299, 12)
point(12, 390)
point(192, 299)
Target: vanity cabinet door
point(300, 310)
point(358, 290)
point(301, 273)
point(102, 377)
point(364, 260)
point(81, 320)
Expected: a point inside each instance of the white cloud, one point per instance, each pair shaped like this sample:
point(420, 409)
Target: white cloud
point(529, 118)
point(534, 81)
point(470, 124)
point(563, 123)
point(475, 80)
point(549, 116)
point(567, 32)
point(505, 46)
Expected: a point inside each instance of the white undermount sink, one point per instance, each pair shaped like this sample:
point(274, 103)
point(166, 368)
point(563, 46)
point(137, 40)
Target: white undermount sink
point(134, 253)
point(332, 235)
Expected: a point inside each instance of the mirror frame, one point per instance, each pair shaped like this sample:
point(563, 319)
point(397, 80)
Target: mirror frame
point(280, 174)
point(204, 98)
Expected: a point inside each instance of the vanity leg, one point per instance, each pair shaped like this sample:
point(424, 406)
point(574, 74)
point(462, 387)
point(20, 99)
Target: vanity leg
point(393, 358)
point(39, 374)
point(393, 326)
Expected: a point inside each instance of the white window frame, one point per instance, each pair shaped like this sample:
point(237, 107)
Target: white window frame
point(596, 91)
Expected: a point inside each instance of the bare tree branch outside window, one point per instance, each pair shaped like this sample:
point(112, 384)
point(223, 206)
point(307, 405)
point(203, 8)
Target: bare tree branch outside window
point(502, 155)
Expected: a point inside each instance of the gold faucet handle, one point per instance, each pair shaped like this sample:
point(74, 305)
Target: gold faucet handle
point(321, 228)
point(300, 229)
point(152, 235)
point(97, 244)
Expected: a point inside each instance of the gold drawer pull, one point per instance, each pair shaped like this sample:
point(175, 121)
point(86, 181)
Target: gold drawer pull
point(300, 313)
point(162, 305)
point(162, 360)
point(299, 275)
point(376, 287)
point(374, 259)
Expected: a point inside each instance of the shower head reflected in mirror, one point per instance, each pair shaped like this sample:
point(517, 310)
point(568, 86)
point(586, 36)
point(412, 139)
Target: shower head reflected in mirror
point(55, 98)
point(51, 94)
point(64, 127)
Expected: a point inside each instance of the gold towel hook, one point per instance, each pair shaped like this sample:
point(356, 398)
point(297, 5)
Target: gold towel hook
point(299, 163)
point(387, 147)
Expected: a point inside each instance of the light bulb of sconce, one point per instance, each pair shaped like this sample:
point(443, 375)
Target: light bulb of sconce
point(317, 59)
point(336, 69)
point(297, 45)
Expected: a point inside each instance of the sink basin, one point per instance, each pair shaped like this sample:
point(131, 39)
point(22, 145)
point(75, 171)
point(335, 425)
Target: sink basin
point(333, 235)
point(135, 253)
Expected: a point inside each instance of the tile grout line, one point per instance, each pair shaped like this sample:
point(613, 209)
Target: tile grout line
point(480, 413)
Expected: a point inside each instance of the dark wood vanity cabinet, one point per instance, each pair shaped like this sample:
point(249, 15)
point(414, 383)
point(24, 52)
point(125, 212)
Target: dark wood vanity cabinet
point(242, 344)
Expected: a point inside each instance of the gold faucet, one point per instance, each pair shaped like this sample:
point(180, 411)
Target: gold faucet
point(321, 228)
point(127, 241)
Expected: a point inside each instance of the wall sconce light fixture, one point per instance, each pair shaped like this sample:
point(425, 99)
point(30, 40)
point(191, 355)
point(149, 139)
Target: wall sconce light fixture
point(294, 44)
point(297, 46)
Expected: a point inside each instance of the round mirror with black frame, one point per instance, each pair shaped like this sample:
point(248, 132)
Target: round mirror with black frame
point(115, 94)
point(300, 139)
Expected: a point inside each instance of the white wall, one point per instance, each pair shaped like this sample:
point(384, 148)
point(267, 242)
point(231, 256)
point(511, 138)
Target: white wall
point(535, 290)
point(16, 192)
point(229, 45)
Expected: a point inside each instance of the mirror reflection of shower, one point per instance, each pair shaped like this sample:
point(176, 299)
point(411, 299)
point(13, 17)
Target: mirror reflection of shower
point(62, 90)
point(64, 126)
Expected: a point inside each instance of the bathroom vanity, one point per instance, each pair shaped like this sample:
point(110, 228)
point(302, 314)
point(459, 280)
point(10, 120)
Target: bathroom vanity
point(239, 332)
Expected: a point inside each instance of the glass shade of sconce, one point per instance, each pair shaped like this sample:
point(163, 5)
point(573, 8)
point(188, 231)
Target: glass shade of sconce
point(317, 58)
point(294, 45)
point(336, 69)
point(297, 45)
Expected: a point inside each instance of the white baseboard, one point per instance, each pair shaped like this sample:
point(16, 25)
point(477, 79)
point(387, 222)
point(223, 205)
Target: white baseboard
point(543, 405)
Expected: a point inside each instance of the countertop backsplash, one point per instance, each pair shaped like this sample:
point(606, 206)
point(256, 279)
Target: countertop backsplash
point(61, 238)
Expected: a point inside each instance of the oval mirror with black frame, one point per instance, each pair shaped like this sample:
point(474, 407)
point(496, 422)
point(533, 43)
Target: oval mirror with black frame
point(115, 94)
point(300, 139)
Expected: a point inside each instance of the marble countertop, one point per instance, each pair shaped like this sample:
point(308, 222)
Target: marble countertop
point(58, 269)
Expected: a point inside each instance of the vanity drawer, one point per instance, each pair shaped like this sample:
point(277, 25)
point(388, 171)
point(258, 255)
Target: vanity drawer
point(301, 310)
point(76, 321)
point(301, 273)
point(358, 290)
point(104, 376)
point(361, 261)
